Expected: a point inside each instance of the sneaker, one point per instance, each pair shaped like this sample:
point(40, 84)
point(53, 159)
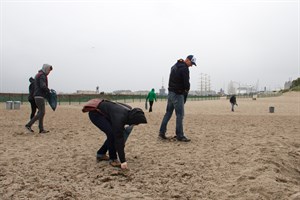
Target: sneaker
point(44, 131)
point(183, 139)
point(29, 128)
point(162, 136)
point(101, 157)
point(115, 163)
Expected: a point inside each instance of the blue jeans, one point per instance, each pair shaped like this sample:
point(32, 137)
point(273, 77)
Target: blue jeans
point(175, 101)
point(105, 125)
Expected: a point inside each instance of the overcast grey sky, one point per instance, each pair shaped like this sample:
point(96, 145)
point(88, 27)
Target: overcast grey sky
point(132, 44)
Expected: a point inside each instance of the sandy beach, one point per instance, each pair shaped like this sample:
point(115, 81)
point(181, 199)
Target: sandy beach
point(246, 154)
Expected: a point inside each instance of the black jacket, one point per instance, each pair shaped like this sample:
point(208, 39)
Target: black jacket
point(41, 85)
point(232, 99)
point(31, 91)
point(179, 80)
point(117, 114)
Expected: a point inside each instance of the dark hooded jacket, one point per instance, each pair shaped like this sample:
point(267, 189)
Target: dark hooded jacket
point(119, 115)
point(41, 82)
point(179, 80)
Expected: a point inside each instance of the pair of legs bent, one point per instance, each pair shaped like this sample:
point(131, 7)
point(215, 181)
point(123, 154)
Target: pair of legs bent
point(105, 125)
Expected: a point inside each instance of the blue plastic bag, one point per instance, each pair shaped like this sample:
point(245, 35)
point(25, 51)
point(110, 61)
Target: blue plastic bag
point(52, 99)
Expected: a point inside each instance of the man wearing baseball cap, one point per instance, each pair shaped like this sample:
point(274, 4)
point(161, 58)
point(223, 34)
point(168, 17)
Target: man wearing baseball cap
point(192, 59)
point(179, 86)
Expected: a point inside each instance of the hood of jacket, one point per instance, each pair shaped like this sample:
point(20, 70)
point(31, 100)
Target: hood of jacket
point(46, 68)
point(136, 116)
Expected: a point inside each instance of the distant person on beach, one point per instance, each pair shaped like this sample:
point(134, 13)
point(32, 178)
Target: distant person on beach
point(41, 91)
point(151, 97)
point(179, 86)
point(233, 102)
point(31, 98)
point(111, 118)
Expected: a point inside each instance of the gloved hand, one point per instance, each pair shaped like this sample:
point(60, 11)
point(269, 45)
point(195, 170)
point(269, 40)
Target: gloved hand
point(185, 96)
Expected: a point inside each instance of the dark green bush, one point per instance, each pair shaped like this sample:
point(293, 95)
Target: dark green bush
point(295, 83)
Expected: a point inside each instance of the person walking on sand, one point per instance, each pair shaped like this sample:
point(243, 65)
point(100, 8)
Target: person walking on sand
point(233, 102)
point(111, 118)
point(41, 91)
point(151, 97)
point(179, 86)
point(31, 98)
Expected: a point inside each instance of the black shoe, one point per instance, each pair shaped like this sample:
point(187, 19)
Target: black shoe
point(44, 131)
point(162, 136)
point(115, 163)
point(102, 158)
point(29, 128)
point(183, 139)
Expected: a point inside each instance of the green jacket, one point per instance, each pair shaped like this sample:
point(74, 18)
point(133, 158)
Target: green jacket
point(151, 96)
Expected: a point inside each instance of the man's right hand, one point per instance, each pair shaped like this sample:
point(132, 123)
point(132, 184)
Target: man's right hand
point(124, 165)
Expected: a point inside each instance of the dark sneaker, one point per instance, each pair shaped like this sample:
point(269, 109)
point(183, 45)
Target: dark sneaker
point(115, 163)
point(162, 136)
point(44, 131)
point(183, 139)
point(29, 128)
point(101, 157)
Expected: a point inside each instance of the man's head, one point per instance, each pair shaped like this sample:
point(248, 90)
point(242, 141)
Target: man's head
point(136, 116)
point(190, 60)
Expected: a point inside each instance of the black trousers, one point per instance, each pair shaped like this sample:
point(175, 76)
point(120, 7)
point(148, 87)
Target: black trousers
point(33, 108)
point(104, 125)
point(150, 108)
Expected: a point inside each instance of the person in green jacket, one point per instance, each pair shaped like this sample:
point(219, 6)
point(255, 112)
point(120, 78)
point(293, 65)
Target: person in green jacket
point(151, 97)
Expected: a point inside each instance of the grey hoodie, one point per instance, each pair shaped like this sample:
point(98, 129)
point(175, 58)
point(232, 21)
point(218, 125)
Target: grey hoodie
point(46, 68)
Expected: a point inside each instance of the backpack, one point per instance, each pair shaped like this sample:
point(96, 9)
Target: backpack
point(92, 105)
